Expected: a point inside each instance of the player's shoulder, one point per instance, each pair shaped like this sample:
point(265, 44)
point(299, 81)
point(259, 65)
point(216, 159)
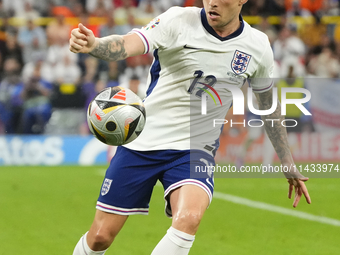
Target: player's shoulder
point(256, 35)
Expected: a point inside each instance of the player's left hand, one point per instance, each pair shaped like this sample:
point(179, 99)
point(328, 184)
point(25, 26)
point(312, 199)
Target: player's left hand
point(300, 188)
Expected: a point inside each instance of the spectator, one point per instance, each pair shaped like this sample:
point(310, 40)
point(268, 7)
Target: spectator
point(122, 13)
point(69, 8)
point(36, 107)
point(94, 73)
point(42, 6)
point(113, 74)
point(67, 72)
point(311, 54)
point(298, 67)
point(32, 39)
point(55, 10)
point(12, 50)
point(58, 32)
point(120, 3)
point(330, 8)
point(127, 27)
point(92, 5)
point(7, 28)
point(197, 3)
point(166, 4)
point(91, 70)
point(38, 63)
point(292, 111)
point(294, 9)
point(71, 3)
point(15, 7)
point(89, 84)
point(10, 100)
point(78, 9)
point(28, 12)
point(56, 54)
point(147, 10)
point(325, 65)
point(100, 10)
point(109, 28)
point(67, 90)
point(327, 41)
point(288, 44)
point(134, 84)
point(303, 7)
point(137, 66)
point(3, 13)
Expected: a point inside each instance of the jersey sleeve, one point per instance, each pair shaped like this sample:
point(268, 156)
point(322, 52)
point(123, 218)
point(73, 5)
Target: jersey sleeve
point(161, 31)
point(262, 80)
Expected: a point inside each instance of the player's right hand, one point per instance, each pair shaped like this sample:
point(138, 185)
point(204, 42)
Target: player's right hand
point(82, 40)
point(300, 189)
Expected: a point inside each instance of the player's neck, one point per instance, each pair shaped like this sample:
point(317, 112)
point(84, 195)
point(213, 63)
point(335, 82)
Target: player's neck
point(229, 28)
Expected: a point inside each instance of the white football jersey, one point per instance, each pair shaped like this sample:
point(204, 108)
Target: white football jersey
point(190, 60)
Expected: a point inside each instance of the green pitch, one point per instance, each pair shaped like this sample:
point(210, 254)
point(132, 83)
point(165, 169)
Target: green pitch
point(45, 210)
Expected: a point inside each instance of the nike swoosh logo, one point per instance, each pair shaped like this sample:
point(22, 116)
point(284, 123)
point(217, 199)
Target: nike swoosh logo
point(192, 48)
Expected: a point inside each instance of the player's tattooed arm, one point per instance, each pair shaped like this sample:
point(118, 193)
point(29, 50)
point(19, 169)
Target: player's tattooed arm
point(278, 136)
point(276, 132)
point(110, 48)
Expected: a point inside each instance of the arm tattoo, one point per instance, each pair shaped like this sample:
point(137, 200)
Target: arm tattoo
point(276, 132)
point(110, 48)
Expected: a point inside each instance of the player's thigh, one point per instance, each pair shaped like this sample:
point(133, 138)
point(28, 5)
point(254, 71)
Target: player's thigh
point(128, 183)
point(188, 204)
point(104, 229)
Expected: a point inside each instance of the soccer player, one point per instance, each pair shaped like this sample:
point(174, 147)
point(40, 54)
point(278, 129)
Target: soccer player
point(193, 50)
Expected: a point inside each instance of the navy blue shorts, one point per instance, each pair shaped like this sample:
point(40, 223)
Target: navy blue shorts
point(131, 176)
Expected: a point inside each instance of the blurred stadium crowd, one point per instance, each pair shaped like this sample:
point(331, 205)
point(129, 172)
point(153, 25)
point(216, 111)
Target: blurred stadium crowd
point(44, 88)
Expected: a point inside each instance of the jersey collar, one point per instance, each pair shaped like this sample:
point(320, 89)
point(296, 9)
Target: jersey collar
point(213, 32)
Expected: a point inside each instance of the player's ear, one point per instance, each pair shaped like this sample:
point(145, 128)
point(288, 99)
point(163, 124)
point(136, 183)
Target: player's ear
point(242, 2)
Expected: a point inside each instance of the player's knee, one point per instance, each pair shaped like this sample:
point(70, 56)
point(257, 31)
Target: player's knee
point(101, 241)
point(187, 220)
